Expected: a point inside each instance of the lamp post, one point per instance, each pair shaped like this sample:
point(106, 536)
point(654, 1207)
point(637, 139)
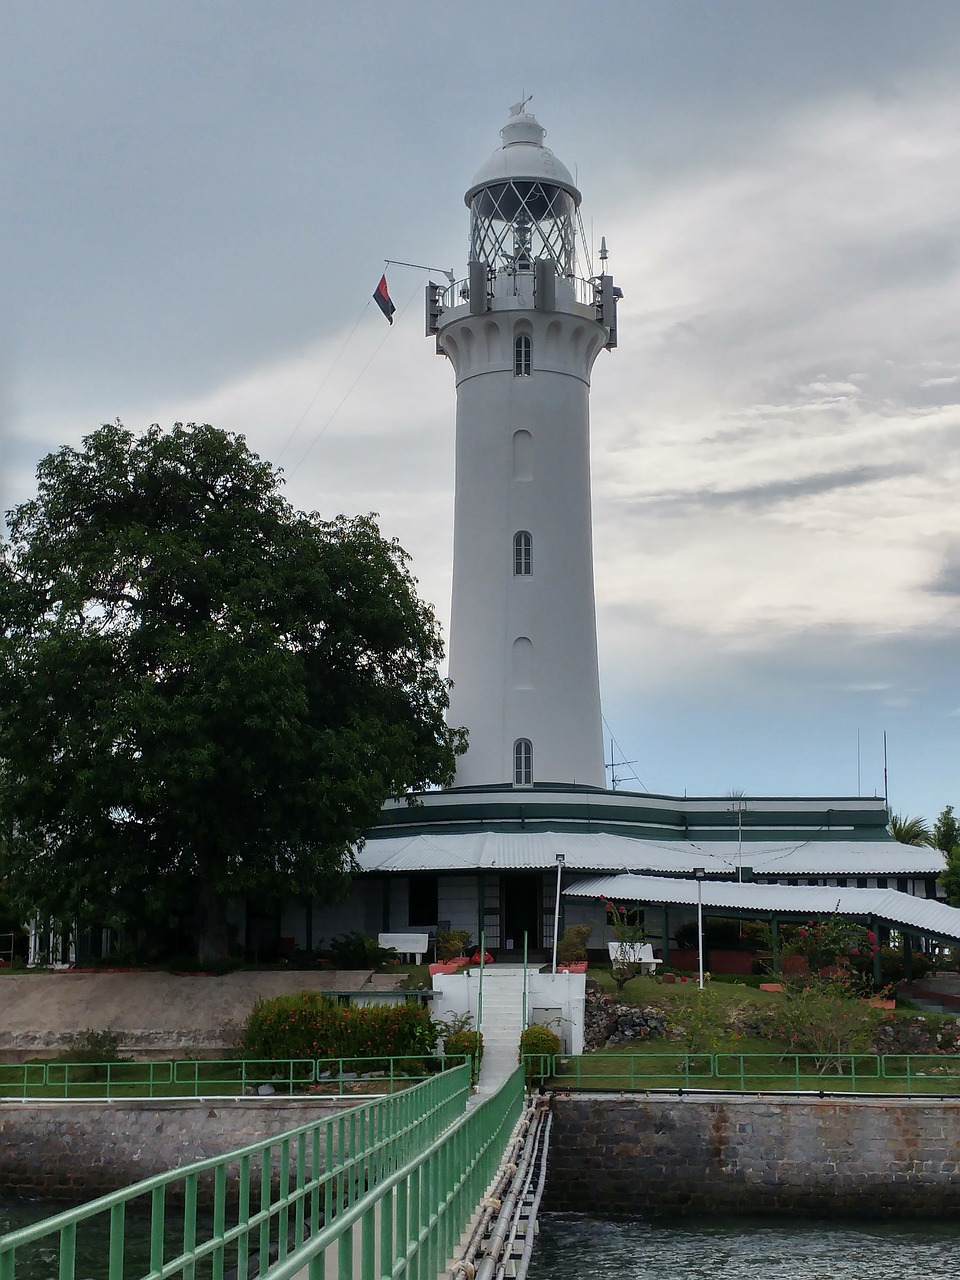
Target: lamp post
point(699, 872)
point(556, 910)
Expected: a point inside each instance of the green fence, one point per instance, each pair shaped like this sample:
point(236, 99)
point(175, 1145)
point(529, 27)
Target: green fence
point(291, 1197)
point(908, 1074)
point(190, 1078)
point(408, 1225)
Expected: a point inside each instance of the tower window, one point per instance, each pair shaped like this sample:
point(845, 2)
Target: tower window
point(521, 356)
point(523, 763)
point(522, 554)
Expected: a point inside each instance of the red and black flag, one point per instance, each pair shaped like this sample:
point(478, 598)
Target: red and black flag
point(383, 300)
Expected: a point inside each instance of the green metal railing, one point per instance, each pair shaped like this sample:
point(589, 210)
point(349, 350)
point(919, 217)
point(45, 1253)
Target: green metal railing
point(907, 1074)
point(289, 1197)
point(216, 1077)
point(408, 1225)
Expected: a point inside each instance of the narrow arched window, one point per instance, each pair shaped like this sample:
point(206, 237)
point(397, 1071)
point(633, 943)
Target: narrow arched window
point(521, 356)
point(522, 554)
point(523, 763)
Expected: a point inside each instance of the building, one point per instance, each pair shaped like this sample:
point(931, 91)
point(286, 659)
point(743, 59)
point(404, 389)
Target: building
point(529, 815)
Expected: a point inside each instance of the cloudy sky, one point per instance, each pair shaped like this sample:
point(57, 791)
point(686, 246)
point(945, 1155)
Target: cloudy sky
point(196, 201)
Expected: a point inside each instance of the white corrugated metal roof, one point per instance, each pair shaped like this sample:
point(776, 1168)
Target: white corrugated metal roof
point(923, 914)
point(604, 851)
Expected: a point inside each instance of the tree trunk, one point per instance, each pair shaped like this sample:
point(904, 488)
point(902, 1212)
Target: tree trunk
point(213, 942)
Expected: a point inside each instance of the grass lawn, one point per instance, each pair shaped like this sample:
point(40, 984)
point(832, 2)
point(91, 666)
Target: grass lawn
point(740, 1061)
point(649, 990)
point(187, 1078)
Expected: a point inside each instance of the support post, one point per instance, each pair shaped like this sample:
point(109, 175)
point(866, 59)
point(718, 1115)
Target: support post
point(699, 872)
point(877, 967)
point(556, 909)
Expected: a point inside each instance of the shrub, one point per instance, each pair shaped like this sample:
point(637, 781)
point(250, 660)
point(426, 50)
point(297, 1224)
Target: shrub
point(465, 1042)
point(452, 943)
point(700, 1018)
point(535, 1043)
point(93, 1046)
point(359, 951)
point(822, 1022)
point(91, 1049)
point(311, 1025)
point(722, 932)
point(572, 947)
point(893, 969)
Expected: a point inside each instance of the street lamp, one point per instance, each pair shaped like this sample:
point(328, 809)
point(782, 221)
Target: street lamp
point(699, 873)
point(556, 910)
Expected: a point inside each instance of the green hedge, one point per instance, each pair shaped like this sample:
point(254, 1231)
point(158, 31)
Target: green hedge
point(311, 1025)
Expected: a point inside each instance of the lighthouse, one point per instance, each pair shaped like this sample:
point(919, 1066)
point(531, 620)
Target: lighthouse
point(522, 332)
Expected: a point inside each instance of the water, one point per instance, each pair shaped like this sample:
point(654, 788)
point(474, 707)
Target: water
point(571, 1248)
point(768, 1249)
point(40, 1261)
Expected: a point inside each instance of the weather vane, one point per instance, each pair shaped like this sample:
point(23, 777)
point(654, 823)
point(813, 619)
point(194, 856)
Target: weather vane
point(517, 108)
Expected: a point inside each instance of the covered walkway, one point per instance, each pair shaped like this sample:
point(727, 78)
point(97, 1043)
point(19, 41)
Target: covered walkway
point(900, 911)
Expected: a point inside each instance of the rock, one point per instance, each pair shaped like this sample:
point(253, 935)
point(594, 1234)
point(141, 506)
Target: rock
point(609, 1022)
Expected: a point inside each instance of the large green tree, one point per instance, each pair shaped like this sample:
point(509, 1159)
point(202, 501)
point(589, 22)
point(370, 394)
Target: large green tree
point(203, 692)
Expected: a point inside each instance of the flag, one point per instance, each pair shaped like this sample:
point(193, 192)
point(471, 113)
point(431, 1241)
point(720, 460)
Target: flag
point(382, 298)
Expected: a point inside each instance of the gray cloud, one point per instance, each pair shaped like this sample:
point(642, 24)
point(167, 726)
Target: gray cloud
point(773, 493)
point(947, 580)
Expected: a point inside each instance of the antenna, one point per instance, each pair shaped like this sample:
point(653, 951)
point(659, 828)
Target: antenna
point(886, 790)
point(614, 763)
point(859, 791)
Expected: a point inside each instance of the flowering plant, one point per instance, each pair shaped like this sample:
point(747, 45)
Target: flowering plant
point(630, 935)
point(838, 951)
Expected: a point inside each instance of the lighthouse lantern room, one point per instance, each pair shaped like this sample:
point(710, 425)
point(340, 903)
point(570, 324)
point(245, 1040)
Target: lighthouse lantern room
point(522, 332)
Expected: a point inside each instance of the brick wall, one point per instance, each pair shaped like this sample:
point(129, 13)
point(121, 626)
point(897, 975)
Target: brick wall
point(639, 1155)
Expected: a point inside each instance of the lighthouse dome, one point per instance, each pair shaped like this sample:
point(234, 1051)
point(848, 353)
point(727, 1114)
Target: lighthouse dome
point(523, 157)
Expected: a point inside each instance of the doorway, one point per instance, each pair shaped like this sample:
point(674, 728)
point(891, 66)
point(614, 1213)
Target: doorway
point(521, 909)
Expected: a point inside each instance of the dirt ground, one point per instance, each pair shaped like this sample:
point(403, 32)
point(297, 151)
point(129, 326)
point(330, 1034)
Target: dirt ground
point(152, 1012)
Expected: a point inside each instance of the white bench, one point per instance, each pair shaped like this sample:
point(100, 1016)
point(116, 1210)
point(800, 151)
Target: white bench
point(640, 953)
point(407, 944)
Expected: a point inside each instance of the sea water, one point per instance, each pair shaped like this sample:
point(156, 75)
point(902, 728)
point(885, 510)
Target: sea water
point(571, 1248)
point(40, 1261)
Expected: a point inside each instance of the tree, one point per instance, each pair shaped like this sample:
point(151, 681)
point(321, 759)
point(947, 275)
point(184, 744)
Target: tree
point(910, 830)
point(946, 831)
point(946, 837)
point(203, 692)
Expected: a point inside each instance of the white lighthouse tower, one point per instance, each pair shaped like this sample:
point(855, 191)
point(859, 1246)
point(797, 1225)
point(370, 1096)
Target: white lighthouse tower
point(523, 332)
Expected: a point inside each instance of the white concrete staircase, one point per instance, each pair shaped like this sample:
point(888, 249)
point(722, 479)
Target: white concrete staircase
point(501, 1024)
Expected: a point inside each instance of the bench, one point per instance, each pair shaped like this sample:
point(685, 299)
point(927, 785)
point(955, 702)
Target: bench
point(640, 953)
point(406, 944)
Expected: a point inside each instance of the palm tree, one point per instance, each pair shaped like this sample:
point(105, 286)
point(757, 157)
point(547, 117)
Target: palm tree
point(910, 830)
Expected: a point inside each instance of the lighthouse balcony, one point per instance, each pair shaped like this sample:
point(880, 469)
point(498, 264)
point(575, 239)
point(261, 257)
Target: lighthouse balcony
point(516, 289)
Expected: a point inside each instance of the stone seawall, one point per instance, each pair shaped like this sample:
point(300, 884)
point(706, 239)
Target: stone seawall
point(659, 1155)
point(76, 1151)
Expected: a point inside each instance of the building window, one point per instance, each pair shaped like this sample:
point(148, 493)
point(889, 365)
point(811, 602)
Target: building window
point(523, 763)
point(881, 882)
point(902, 886)
point(841, 882)
point(522, 554)
point(861, 882)
point(521, 356)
